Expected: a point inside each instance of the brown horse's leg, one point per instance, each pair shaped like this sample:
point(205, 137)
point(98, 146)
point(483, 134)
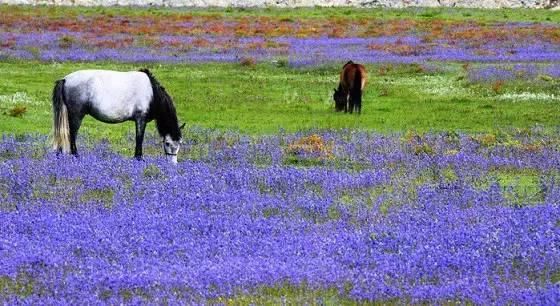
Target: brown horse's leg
point(351, 103)
point(357, 98)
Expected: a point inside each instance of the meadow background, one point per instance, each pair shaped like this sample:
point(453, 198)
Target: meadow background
point(444, 189)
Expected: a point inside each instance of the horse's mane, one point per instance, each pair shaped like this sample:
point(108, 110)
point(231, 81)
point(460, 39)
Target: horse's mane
point(163, 109)
point(348, 63)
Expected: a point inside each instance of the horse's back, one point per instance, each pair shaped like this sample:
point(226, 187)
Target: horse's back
point(363, 75)
point(111, 96)
point(350, 73)
point(107, 78)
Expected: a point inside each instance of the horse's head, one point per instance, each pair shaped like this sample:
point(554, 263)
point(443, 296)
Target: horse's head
point(339, 100)
point(171, 146)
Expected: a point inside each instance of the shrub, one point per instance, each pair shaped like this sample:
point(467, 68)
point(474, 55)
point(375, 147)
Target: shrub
point(497, 86)
point(17, 111)
point(312, 145)
point(248, 62)
point(66, 42)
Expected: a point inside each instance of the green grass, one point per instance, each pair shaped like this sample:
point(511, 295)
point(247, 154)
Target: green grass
point(290, 295)
point(22, 285)
point(480, 15)
point(265, 98)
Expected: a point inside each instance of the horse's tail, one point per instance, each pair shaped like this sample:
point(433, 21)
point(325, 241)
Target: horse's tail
point(356, 90)
point(61, 127)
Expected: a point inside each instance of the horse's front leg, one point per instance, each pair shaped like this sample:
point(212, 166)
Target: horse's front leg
point(140, 128)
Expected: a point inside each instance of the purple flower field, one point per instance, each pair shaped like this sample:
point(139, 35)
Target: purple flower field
point(185, 38)
point(436, 218)
point(76, 47)
point(508, 72)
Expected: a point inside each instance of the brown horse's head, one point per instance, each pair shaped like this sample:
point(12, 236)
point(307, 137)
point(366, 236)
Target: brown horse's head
point(339, 100)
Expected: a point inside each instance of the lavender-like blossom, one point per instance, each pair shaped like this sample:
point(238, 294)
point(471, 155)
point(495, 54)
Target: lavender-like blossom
point(426, 218)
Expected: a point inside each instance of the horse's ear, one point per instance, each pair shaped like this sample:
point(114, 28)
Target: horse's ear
point(182, 126)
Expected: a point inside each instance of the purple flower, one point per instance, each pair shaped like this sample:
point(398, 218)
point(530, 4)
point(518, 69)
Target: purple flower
point(379, 221)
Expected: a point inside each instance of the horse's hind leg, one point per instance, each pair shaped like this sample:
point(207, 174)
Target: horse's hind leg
point(140, 128)
point(356, 98)
point(358, 103)
point(74, 120)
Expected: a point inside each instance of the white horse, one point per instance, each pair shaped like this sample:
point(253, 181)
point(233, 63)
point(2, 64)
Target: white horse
point(114, 97)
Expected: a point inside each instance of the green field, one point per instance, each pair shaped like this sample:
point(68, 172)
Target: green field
point(264, 99)
point(414, 13)
point(268, 97)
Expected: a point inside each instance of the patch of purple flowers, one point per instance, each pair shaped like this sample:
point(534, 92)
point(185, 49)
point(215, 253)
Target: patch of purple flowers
point(382, 220)
point(77, 46)
point(508, 72)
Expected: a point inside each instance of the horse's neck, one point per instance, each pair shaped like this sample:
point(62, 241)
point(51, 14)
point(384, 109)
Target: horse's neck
point(157, 111)
point(165, 117)
point(153, 114)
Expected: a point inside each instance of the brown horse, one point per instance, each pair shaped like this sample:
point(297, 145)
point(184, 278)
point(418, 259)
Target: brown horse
point(348, 96)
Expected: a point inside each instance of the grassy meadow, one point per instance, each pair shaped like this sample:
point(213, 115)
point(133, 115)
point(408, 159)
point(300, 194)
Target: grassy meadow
point(268, 95)
point(264, 99)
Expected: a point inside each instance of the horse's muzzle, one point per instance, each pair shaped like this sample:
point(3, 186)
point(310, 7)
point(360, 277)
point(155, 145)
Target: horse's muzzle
point(171, 157)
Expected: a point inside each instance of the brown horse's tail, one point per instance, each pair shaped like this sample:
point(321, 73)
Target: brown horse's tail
point(356, 91)
point(61, 128)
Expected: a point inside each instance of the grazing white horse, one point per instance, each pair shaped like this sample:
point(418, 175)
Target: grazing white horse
point(114, 97)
